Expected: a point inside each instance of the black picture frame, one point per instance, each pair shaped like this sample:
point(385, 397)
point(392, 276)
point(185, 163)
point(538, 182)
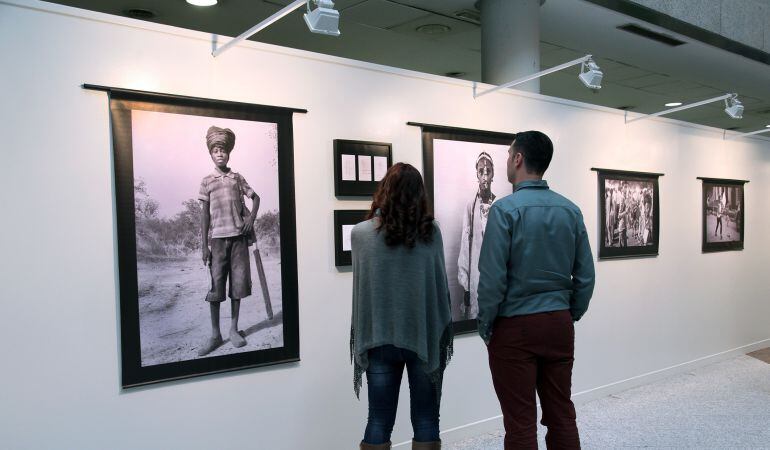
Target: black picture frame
point(342, 257)
point(122, 103)
point(349, 188)
point(614, 252)
point(734, 213)
point(431, 132)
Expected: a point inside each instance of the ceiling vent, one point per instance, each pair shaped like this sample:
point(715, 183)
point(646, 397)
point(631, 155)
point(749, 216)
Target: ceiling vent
point(140, 13)
point(649, 34)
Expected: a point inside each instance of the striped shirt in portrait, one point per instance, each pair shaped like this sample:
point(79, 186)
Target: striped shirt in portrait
point(224, 193)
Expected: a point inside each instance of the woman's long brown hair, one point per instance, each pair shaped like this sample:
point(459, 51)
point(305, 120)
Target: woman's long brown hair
point(403, 207)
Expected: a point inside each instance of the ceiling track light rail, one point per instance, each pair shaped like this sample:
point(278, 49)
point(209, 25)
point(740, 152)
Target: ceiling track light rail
point(323, 20)
point(733, 108)
point(736, 136)
point(590, 75)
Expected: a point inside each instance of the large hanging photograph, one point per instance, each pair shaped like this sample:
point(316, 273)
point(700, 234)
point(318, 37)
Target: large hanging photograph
point(722, 215)
point(629, 213)
point(465, 173)
point(206, 235)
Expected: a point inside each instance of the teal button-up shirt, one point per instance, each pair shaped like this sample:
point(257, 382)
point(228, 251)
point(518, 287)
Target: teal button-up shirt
point(535, 257)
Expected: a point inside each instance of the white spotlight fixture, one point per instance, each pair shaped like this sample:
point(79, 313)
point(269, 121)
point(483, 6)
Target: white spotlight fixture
point(672, 104)
point(734, 107)
point(202, 2)
point(591, 75)
point(324, 19)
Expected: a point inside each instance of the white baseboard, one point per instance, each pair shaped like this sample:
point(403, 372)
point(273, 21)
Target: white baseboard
point(495, 423)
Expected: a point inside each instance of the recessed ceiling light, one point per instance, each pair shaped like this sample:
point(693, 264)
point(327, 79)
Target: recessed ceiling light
point(433, 29)
point(202, 2)
point(674, 104)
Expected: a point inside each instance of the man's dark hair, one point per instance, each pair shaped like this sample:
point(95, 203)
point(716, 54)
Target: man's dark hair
point(536, 148)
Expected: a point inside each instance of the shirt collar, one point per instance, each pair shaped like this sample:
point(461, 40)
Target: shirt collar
point(536, 184)
point(218, 173)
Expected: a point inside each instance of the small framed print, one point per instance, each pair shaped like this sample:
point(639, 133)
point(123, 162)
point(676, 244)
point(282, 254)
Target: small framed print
point(344, 221)
point(359, 166)
point(629, 213)
point(723, 212)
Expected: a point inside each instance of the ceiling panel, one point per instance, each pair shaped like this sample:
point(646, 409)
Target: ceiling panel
point(644, 81)
point(382, 14)
point(677, 87)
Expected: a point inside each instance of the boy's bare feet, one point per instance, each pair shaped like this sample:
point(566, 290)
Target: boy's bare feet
point(210, 345)
point(236, 339)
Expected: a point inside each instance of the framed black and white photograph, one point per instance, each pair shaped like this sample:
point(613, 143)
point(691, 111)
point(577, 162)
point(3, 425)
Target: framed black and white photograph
point(723, 213)
point(629, 213)
point(465, 173)
point(206, 235)
point(344, 221)
point(359, 166)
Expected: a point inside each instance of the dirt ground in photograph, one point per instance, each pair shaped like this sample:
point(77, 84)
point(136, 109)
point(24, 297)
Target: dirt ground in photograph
point(729, 230)
point(174, 318)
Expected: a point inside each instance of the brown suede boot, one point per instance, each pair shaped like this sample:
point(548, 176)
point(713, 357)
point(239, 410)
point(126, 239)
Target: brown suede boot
point(385, 446)
point(435, 445)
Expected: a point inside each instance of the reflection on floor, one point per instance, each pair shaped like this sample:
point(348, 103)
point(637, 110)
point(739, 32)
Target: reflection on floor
point(722, 405)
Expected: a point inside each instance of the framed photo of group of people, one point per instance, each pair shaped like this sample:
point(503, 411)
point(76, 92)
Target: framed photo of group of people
point(629, 213)
point(206, 235)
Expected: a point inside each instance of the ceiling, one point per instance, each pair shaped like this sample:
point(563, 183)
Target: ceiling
point(639, 74)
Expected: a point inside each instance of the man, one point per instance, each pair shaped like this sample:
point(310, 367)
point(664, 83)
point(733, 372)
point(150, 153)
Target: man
point(623, 214)
point(721, 202)
point(474, 222)
point(537, 277)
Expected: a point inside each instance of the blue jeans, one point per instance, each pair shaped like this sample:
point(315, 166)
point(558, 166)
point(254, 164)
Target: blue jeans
point(386, 365)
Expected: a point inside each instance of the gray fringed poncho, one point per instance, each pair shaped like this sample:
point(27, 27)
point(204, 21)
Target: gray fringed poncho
point(401, 298)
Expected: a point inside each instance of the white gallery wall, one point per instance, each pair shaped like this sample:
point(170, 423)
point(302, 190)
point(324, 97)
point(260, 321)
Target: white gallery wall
point(60, 326)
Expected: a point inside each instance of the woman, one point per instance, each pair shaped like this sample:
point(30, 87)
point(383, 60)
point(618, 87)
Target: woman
point(401, 314)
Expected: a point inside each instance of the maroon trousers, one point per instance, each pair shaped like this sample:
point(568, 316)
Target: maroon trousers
point(535, 353)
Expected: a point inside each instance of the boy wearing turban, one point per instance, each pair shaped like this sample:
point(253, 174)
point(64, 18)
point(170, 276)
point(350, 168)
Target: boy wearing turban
point(228, 221)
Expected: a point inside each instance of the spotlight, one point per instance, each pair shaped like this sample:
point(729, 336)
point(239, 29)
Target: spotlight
point(591, 75)
point(734, 107)
point(324, 19)
point(202, 2)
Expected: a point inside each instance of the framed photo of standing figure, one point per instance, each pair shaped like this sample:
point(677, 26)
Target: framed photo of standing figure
point(629, 213)
point(206, 235)
point(465, 173)
point(722, 214)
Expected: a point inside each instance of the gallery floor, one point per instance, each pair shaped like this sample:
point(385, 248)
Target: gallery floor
point(719, 406)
